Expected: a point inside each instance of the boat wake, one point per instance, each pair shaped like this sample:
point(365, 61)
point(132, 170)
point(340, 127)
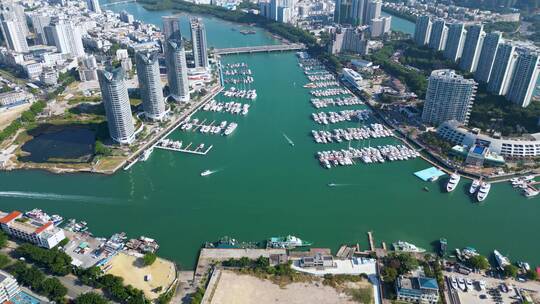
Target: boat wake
point(288, 140)
point(339, 185)
point(55, 197)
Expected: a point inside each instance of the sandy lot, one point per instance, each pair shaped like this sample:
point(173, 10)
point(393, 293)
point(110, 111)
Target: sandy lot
point(234, 288)
point(6, 117)
point(130, 268)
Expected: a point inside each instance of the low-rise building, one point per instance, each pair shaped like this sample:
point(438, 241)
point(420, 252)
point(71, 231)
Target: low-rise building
point(8, 287)
point(417, 289)
point(12, 99)
point(318, 260)
point(525, 147)
point(352, 77)
point(38, 233)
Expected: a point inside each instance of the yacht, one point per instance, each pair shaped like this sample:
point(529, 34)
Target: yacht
point(232, 126)
point(146, 154)
point(474, 186)
point(501, 259)
point(461, 284)
point(453, 182)
point(483, 192)
point(528, 192)
point(288, 242)
point(454, 283)
point(407, 247)
point(207, 172)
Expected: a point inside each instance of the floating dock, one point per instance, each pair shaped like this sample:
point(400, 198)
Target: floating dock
point(429, 174)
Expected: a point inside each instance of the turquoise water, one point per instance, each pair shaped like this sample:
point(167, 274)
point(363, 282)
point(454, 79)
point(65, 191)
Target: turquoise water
point(400, 24)
point(264, 187)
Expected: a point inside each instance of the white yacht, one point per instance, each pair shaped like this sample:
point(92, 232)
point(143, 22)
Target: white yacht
point(207, 172)
point(501, 259)
point(232, 126)
point(474, 186)
point(453, 182)
point(146, 154)
point(407, 247)
point(454, 283)
point(483, 192)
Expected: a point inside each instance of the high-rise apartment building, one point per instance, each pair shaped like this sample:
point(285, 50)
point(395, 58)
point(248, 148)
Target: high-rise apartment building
point(503, 69)
point(525, 78)
point(93, 5)
point(487, 57)
point(439, 34)
point(449, 96)
point(472, 48)
point(422, 31)
point(150, 86)
point(198, 39)
point(175, 59)
point(455, 41)
point(115, 97)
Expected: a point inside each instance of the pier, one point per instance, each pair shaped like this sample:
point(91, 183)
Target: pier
point(260, 49)
point(186, 149)
point(371, 242)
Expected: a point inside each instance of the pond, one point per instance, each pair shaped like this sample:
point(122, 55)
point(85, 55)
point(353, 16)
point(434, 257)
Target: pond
point(69, 144)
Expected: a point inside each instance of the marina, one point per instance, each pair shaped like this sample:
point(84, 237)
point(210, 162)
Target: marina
point(374, 131)
point(326, 118)
point(367, 155)
point(232, 107)
point(336, 102)
point(233, 92)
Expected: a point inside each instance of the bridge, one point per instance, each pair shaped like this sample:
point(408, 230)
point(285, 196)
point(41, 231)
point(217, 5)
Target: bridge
point(260, 49)
point(117, 2)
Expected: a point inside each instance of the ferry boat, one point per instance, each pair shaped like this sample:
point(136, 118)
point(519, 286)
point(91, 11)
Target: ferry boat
point(40, 216)
point(146, 154)
point(501, 259)
point(407, 247)
point(288, 242)
point(474, 186)
point(453, 182)
point(483, 192)
point(207, 172)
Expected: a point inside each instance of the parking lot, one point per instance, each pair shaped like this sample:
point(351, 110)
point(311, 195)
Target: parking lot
point(478, 288)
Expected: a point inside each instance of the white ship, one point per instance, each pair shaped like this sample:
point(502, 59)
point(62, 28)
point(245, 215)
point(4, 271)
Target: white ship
point(483, 192)
point(474, 186)
point(407, 247)
point(230, 128)
point(501, 259)
point(453, 182)
point(207, 172)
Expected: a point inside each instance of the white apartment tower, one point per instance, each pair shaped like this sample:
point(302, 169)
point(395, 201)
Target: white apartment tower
point(175, 59)
point(449, 97)
point(115, 97)
point(150, 86)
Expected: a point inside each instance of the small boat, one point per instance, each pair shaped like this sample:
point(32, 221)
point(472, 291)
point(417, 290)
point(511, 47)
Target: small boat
point(453, 182)
point(426, 189)
point(474, 186)
point(332, 185)
point(524, 265)
point(483, 192)
point(207, 172)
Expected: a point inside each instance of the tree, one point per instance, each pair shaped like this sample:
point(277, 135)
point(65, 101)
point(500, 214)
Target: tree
point(3, 239)
point(511, 271)
point(479, 262)
point(4, 260)
point(90, 298)
point(389, 274)
point(149, 258)
point(53, 289)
